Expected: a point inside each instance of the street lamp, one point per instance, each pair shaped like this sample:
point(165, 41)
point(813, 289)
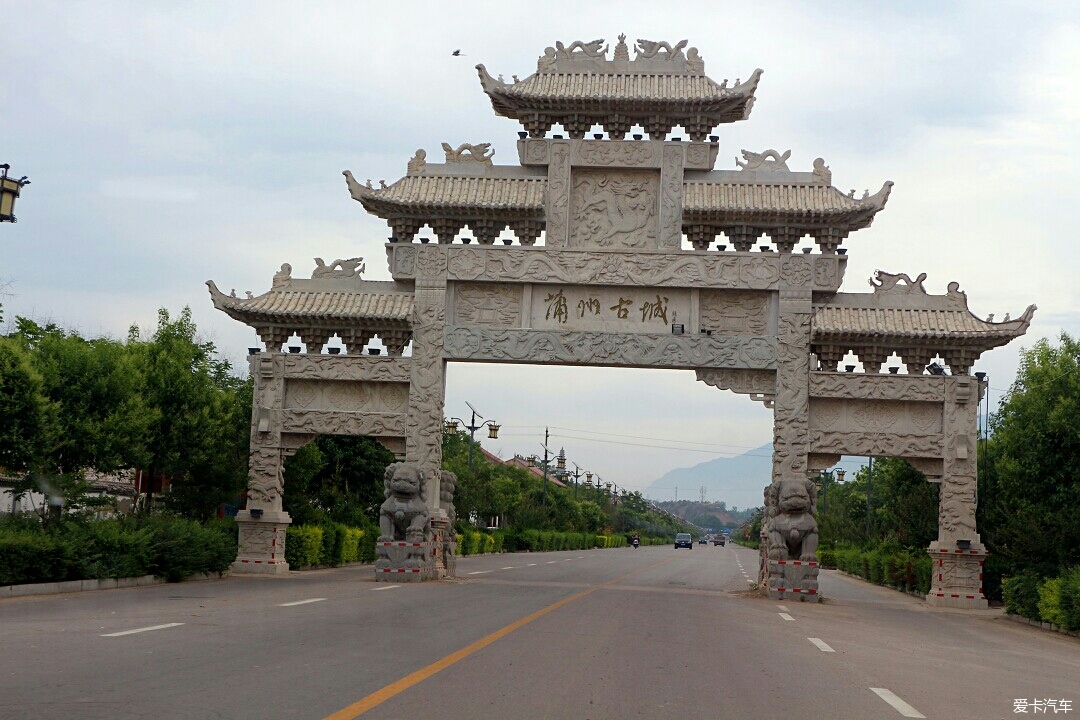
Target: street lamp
point(472, 427)
point(9, 190)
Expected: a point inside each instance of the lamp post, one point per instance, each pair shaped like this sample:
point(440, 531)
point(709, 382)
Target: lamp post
point(472, 427)
point(9, 191)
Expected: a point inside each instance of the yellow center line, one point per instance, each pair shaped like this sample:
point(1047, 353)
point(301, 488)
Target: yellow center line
point(380, 696)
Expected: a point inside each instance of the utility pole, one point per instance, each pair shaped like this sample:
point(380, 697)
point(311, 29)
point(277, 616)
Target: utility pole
point(544, 465)
point(869, 482)
point(702, 494)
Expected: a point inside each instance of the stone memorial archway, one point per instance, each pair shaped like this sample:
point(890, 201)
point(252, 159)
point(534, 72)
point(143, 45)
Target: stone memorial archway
point(613, 286)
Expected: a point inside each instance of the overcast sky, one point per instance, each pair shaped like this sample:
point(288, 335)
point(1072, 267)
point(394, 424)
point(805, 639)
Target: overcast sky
point(172, 143)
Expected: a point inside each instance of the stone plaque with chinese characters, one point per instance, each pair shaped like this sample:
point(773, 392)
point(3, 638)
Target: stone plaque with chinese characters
point(616, 310)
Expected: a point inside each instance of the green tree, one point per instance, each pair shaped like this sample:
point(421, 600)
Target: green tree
point(201, 418)
point(28, 429)
point(1029, 492)
point(336, 478)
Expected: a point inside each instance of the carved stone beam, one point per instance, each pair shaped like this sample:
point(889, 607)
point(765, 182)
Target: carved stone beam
point(701, 236)
point(537, 124)
point(527, 231)
point(395, 341)
point(446, 229)
point(829, 239)
point(487, 230)
point(786, 238)
point(916, 359)
point(872, 358)
point(617, 126)
point(658, 126)
point(404, 230)
point(743, 237)
point(355, 340)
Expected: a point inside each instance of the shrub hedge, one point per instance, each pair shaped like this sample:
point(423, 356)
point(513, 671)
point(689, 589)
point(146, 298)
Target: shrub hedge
point(329, 544)
point(907, 570)
point(169, 547)
point(1050, 600)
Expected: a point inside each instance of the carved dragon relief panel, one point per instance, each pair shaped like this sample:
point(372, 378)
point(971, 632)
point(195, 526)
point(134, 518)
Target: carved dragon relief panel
point(599, 348)
point(346, 367)
point(875, 444)
point(613, 209)
point(607, 309)
point(487, 304)
point(894, 416)
point(379, 397)
point(956, 509)
point(671, 198)
point(926, 388)
point(629, 153)
point(427, 390)
point(558, 196)
point(325, 422)
point(736, 312)
point(756, 272)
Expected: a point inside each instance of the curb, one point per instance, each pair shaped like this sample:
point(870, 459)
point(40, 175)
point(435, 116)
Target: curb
point(74, 586)
point(860, 578)
point(1041, 625)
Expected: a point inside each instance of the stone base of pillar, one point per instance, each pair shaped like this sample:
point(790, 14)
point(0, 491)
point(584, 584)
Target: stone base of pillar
point(957, 578)
point(445, 547)
point(402, 561)
point(261, 543)
point(793, 580)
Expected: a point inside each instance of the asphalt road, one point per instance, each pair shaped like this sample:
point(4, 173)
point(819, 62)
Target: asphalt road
point(647, 633)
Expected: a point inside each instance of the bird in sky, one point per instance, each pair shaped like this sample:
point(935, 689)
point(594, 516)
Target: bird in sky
point(457, 53)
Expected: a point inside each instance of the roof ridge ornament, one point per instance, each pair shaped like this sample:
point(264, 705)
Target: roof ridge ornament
point(469, 153)
point(767, 161)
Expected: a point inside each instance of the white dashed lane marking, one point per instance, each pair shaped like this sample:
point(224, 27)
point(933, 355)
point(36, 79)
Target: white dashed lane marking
point(480, 572)
point(141, 630)
point(782, 608)
point(786, 617)
point(899, 705)
point(388, 587)
point(532, 564)
point(512, 567)
point(821, 645)
point(301, 602)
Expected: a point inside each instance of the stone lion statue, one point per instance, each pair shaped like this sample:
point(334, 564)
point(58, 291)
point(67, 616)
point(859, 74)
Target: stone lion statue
point(793, 532)
point(404, 514)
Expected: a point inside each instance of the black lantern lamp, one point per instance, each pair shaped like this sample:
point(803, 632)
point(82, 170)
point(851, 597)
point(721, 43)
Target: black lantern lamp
point(9, 191)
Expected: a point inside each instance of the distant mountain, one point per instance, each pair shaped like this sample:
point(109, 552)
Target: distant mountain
point(737, 481)
point(707, 515)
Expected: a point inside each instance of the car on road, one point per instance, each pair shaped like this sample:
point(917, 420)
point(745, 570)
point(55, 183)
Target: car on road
point(684, 540)
point(703, 541)
point(719, 540)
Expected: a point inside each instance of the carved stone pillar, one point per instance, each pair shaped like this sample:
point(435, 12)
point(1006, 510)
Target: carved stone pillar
point(427, 378)
point(958, 553)
point(557, 205)
point(262, 525)
point(671, 196)
point(791, 498)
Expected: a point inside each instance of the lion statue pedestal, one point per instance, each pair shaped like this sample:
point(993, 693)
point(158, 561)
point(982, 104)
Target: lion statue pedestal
point(791, 538)
point(405, 550)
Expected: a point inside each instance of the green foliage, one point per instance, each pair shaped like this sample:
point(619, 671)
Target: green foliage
point(28, 430)
point(885, 564)
point(350, 544)
point(1029, 491)
point(827, 558)
point(1070, 599)
point(336, 478)
point(1050, 601)
point(181, 548)
point(109, 549)
point(1021, 595)
point(34, 557)
point(303, 545)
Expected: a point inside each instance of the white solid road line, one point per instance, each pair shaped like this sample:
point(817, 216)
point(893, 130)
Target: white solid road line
point(139, 630)
point(301, 602)
point(786, 617)
point(387, 587)
point(480, 572)
point(899, 705)
point(821, 645)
